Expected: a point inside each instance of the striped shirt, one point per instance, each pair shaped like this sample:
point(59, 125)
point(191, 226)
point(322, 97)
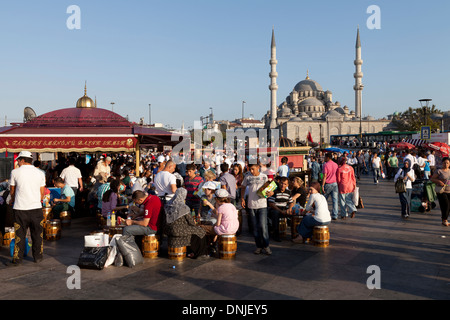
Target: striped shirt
point(191, 185)
point(281, 199)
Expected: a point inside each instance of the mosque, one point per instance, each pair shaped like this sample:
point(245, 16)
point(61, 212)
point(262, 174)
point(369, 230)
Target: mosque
point(310, 109)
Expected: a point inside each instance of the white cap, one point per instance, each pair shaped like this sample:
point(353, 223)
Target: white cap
point(222, 193)
point(209, 185)
point(25, 154)
point(161, 159)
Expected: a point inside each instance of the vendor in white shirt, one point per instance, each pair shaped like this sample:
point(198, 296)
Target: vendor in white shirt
point(320, 217)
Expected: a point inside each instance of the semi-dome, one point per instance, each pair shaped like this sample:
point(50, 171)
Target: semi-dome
point(314, 102)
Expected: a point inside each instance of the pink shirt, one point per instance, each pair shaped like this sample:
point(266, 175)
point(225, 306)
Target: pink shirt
point(345, 177)
point(330, 168)
point(229, 223)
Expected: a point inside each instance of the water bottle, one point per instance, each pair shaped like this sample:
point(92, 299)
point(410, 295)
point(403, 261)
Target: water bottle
point(113, 219)
point(108, 220)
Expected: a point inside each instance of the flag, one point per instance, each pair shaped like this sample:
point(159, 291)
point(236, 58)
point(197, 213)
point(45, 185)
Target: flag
point(309, 137)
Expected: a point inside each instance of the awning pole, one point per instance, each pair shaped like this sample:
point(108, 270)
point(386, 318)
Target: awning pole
point(137, 173)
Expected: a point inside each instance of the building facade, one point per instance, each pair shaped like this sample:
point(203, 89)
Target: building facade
point(310, 109)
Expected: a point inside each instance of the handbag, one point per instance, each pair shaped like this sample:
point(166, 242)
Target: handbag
point(400, 186)
point(442, 189)
point(93, 257)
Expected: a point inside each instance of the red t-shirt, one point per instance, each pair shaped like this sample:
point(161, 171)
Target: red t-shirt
point(152, 209)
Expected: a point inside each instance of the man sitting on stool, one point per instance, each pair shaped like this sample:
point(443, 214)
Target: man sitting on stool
point(67, 201)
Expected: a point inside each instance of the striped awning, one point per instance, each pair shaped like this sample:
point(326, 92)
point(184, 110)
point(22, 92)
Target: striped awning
point(416, 142)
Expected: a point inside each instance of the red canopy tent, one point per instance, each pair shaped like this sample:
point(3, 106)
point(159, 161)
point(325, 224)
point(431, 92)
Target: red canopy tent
point(441, 147)
point(402, 145)
point(81, 130)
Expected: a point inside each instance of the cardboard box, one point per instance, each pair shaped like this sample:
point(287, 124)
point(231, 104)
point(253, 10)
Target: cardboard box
point(267, 187)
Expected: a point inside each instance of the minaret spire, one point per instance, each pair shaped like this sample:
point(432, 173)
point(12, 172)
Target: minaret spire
point(85, 92)
point(273, 83)
point(358, 78)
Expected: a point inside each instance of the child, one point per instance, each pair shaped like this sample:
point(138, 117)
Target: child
point(257, 207)
point(227, 216)
point(67, 200)
point(208, 202)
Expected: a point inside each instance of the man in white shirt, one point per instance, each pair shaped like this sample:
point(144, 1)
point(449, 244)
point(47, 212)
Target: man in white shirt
point(72, 176)
point(103, 166)
point(432, 161)
point(27, 187)
point(165, 182)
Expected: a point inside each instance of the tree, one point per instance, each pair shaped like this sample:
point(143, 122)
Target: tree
point(412, 119)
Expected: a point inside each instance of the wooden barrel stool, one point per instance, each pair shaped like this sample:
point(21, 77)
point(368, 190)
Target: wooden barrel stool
point(53, 230)
point(65, 218)
point(150, 246)
point(282, 227)
point(177, 253)
point(47, 212)
point(227, 246)
point(295, 222)
point(321, 236)
point(7, 238)
point(101, 221)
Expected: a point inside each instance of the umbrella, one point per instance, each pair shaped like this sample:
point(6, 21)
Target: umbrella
point(440, 147)
point(336, 150)
point(402, 145)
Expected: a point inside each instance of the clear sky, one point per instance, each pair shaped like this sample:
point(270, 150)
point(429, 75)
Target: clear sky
point(185, 57)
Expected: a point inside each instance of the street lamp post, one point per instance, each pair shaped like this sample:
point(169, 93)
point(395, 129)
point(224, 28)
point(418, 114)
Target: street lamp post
point(424, 103)
point(149, 114)
point(112, 106)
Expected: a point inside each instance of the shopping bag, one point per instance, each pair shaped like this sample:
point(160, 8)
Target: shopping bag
point(93, 241)
point(93, 258)
point(356, 196)
point(113, 252)
point(129, 249)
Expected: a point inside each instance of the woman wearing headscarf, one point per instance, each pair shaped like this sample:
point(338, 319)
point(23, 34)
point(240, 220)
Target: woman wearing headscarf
point(180, 226)
point(441, 178)
point(407, 174)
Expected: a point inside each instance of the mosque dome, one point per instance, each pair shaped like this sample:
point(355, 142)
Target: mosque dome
point(286, 143)
point(85, 101)
point(296, 119)
point(308, 85)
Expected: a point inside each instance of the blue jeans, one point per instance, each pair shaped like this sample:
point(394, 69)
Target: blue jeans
point(376, 174)
point(405, 201)
point(306, 227)
point(136, 230)
point(346, 201)
point(260, 227)
point(332, 189)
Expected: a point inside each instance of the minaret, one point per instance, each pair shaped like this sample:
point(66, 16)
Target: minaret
point(273, 84)
point(358, 78)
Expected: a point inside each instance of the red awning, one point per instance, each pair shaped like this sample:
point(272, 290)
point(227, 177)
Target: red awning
point(67, 143)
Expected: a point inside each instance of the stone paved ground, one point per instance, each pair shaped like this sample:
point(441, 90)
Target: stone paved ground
point(413, 257)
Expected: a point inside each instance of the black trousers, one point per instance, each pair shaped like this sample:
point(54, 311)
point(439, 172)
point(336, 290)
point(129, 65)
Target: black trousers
point(24, 219)
point(444, 204)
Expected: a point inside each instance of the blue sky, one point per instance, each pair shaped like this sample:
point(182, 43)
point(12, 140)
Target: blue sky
point(185, 57)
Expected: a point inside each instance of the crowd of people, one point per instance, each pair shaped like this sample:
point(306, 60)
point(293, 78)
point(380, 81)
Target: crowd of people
point(193, 204)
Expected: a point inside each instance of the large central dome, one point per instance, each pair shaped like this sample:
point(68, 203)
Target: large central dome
point(308, 85)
